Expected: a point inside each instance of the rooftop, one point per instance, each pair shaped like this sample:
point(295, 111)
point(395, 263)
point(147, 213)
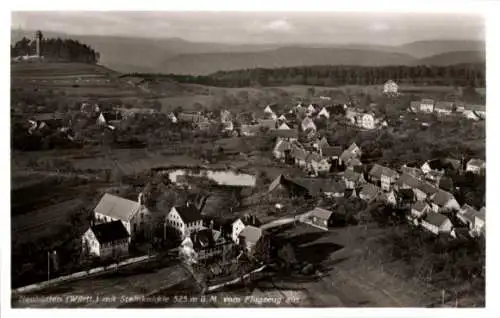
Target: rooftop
point(110, 232)
point(116, 207)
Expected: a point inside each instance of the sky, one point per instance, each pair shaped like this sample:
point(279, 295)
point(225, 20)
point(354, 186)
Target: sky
point(260, 27)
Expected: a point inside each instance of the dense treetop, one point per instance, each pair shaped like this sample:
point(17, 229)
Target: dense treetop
point(56, 49)
point(336, 75)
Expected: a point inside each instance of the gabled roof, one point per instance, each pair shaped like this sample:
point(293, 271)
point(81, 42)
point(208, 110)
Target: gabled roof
point(313, 156)
point(406, 194)
point(251, 234)
point(369, 190)
point(332, 151)
point(283, 126)
point(415, 172)
point(307, 123)
point(188, 214)
point(116, 207)
point(436, 219)
point(291, 133)
point(353, 147)
point(427, 188)
point(408, 180)
point(352, 176)
point(320, 213)
point(270, 123)
point(203, 239)
point(442, 197)
point(419, 206)
point(110, 232)
point(378, 170)
point(298, 153)
point(477, 162)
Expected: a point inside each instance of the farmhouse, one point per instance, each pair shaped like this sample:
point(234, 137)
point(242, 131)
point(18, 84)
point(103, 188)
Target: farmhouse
point(134, 215)
point(390, 87)
point(365, 120)
point(185, 219)
point(437, 223)
point(476, 166)
point(249, 237)
point(106, 240)
point(319, 218)
point(369, 192)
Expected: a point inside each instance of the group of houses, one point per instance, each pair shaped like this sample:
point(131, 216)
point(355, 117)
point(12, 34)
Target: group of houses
point(417, 190)
point(119, 222)
point(469, 111)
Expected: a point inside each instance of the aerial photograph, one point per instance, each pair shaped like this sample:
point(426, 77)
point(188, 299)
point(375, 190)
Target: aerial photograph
point(232, 159)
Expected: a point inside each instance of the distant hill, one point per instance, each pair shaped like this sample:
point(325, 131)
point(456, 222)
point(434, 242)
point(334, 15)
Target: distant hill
point(421, 49)
point(202, 64)
point(451, 58)
point(131, 54)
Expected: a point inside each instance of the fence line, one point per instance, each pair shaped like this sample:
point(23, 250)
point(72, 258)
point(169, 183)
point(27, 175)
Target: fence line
point(81, 274)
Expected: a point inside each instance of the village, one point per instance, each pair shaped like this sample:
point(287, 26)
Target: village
point(227, 246)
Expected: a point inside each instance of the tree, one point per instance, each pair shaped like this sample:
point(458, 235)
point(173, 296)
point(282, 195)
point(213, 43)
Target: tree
point(286, 256)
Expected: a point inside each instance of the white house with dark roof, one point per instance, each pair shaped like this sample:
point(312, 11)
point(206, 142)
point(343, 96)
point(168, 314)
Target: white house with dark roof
point(427, 105)
point(386, 176)
point(133, 214)
point(185, 219)
point(476, 166)
point(106, 240)
point(319, 217)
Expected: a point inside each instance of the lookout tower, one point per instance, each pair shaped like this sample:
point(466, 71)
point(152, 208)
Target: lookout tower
point(38, 39)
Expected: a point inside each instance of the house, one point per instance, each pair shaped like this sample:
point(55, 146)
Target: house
point(281, 149)
point(190, 117)
point(353, 179)
point(249, 130)
point(405, 198)
point(383, 175)
point(415, 106)
point(249, 237)
point(319, 218)
point(269, 110)
point(184, 219)
point(207, 243)
point(350, 153)
point(308, 124)
point(332, 154)
point(236, 227)
point(106, 240)
point(314, 162)
point(467, 214)
point(299, 155)
point(334, 189)
point(225, 116)
point(415, 172)
point(470, 114)
point(406, 181)
point(390, 88)
point(282, 118)
point(134, 215)
point(390, 198)
point(480, 221)
point(369, 192)
point(172, 117)
point(283, 126)
point(444, 200)
point(323, 112)
point(424, 190)
point(267, 123)
point(48, 120)
point(443, 107)
point(478, 110)
point(290, 135)
point(434, 176)
point(365, 120)
point(354, 165)
point(427, 105)
point(476, 166)
point(437, 223)
point(321, 143)
point(419, 209)
point(311, 109)
point(282, 185)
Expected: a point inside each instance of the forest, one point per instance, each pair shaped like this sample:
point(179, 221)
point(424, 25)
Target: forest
point(67, 50)
point(336, 75)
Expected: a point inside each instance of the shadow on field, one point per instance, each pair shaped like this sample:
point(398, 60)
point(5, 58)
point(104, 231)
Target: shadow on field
point(301, 239)
point(316, 253)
